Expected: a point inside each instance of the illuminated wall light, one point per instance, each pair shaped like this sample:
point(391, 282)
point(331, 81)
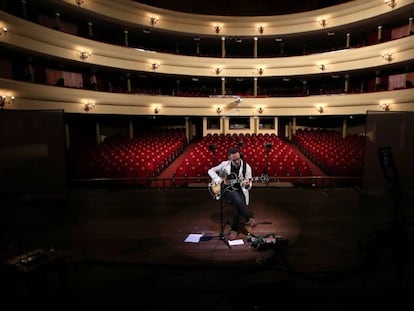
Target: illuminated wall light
point(323, 22)
point(80, 2)
point(320, 108)
point(153, 20)
point(219, 110)
point(6, 100)
point(88, 106)
point(260, 29)
point(390, 3)
point(322, 67)
point(157, 109)
point(260, 71)
point(259, 110)
point(155, 66)
point(84, 54)
point(3, 31)
point(385, 106)
point(217, 28)
point(387, 56)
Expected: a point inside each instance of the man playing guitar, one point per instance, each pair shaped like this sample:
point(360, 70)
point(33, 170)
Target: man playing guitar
point(237, 193)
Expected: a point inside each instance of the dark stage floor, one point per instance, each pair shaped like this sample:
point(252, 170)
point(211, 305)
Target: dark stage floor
point(340, 249)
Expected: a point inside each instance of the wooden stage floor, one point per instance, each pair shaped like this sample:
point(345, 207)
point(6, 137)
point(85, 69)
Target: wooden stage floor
point(342, 250)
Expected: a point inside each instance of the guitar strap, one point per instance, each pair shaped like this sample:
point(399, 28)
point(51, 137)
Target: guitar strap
point(244, 169)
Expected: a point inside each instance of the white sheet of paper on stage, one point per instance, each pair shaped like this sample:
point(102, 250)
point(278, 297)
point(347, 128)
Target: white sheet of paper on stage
point(193, 238)
point(236, 242)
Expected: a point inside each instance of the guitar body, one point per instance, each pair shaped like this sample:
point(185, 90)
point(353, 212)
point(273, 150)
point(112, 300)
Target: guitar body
point(215, 190)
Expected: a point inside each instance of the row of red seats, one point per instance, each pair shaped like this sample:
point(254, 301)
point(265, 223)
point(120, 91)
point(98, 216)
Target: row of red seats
point(336, 155)
point(266, 153)
point(120, 157)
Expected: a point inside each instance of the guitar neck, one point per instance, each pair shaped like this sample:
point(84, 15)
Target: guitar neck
point(252, 179)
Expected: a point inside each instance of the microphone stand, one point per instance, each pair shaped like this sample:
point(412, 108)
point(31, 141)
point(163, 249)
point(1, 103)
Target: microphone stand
point(268, 146)
point(222, 235)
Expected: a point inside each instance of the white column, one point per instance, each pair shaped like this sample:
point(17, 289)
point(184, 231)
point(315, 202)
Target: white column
point(294, 126)
point(344, 128)
point(346, 88)
point(57, 16)
point(255, 86)
point(223, 86)
point(255, 48)
point(128, 82)
point(223, 47)
point(90, 29)
point(277, 125)
point(187, 129)
point(222, 125)
point(126, 37)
